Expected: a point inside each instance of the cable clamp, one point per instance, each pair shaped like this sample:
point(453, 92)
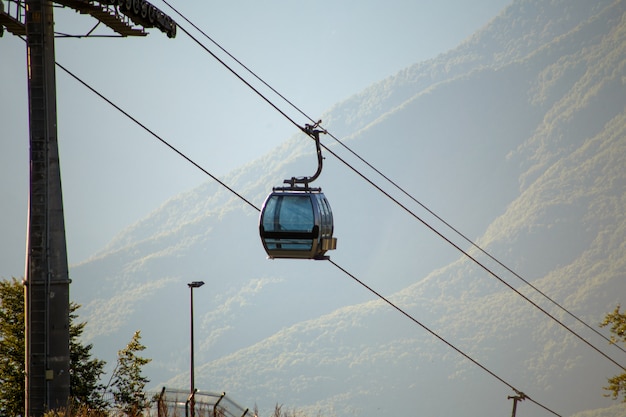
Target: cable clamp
point(312, 130)
point(520, 396)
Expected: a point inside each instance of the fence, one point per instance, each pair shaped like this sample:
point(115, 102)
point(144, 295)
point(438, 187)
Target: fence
point(178, 403)
point(170, 403)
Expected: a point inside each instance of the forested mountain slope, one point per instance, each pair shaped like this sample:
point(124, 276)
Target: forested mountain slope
point(517, 137)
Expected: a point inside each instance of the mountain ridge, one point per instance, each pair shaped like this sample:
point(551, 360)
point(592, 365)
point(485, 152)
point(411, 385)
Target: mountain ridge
point(530, 146)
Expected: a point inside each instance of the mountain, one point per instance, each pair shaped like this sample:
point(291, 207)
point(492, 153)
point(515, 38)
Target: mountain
point(517, 137)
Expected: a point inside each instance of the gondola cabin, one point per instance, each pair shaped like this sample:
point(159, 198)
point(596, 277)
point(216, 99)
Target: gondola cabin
point(297, 224)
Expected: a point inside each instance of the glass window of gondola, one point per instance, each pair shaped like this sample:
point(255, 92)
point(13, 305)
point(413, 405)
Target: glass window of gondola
point(288, 213)
point(326, 215)
point(284, 215)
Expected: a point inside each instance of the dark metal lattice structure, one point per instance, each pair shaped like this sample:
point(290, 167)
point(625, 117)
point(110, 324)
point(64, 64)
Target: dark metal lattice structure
point(12, 17)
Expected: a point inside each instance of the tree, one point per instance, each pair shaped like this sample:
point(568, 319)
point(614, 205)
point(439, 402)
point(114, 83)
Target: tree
point(617, 321)
point(128, 381)
point(84, 371)
point(12, 365)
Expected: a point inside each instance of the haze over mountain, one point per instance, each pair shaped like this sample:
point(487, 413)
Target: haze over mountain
point(517, 138)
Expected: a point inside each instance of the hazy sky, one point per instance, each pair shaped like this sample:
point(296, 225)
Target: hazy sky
point(113, 173)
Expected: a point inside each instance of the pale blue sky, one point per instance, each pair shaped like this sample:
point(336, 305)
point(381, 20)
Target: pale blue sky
point(314, 53)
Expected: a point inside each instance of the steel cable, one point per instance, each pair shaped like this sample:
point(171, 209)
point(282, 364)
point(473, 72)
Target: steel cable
point(188, 159)
point(394, 184)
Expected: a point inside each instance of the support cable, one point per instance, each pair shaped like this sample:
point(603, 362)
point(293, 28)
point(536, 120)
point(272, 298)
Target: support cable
point(182, 16)
point(188, 159)
point(243, 80)
point(435, 334)
point(472, 258)
point(163, 141)
point(476, 245)
point(396, 185)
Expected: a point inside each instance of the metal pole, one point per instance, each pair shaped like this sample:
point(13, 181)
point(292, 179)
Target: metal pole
point(161, 412)
point(191, 372)
point(46, 278)
point(46, 289)
point(514, 407)
point(192, 389)
point(515, 399)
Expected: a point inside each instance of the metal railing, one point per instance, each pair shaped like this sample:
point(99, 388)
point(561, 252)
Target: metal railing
point(15, 9)
point(169, 403)
point(177, 403)
point(12, 13)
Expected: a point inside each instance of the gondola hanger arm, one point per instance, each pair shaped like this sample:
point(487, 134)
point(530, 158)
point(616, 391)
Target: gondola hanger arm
point(313, 133)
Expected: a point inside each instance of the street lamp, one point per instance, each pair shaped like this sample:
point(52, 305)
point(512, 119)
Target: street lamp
point(192, 285)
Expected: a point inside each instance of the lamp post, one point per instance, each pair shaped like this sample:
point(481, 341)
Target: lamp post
point(520, 397)
point(192, 285)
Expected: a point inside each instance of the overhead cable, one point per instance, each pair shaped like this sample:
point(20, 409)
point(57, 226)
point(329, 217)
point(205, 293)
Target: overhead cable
point(473, 259)
point(394, 184)
point(435, 334)
point(188, 159)
point(474, 244)
point(181, 154)
point(182, 16)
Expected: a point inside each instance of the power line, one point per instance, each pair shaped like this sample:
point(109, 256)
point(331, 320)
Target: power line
point(399, 188)
point(188, 159)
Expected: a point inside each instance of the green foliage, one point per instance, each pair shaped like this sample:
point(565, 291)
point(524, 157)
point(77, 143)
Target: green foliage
point(281, 411)
point(85, 372)
point(76, 411)
point(617, 321)
point(128, 381)
point(11, 348)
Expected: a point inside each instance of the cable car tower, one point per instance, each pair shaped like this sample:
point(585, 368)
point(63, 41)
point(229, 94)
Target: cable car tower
point(46, 278)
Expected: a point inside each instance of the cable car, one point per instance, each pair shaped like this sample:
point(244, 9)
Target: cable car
point(296, 222)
